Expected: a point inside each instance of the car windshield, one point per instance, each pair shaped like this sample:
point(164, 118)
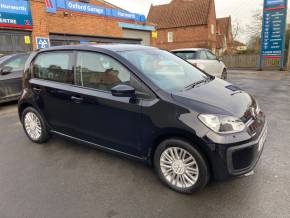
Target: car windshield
point(186, 55)
point(166, 70)
point(4, 58)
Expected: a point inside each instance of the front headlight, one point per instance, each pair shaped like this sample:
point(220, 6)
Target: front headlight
point(221, 123)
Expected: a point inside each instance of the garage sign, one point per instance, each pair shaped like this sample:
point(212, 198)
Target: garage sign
point(273, 32)
point(53, 5)
point(15, 14)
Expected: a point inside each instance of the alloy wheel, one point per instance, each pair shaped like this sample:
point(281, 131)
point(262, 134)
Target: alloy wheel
point(32, 126)
point(179, 167)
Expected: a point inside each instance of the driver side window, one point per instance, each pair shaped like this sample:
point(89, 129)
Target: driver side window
point(98, 71)
point(101, 72)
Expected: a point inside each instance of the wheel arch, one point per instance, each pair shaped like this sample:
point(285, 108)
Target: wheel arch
point(182, 135)
point(22, 107)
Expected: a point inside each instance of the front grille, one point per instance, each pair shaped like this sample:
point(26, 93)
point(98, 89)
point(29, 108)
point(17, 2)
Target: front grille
point(243, 158)
point(253, 127)
point(254, 120)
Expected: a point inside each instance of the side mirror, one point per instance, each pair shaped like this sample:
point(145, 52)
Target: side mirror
point(6, 71)
point(219, 59)
point(123, 91)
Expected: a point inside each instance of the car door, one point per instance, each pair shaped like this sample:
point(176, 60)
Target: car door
point(11, 71)
point(52, 82)
point(214, 65)
point(106, 120)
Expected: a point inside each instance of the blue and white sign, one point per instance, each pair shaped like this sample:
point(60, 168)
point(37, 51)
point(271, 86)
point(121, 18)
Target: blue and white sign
point(273, 32)
point(53, 5)
point(85, 8)
point(275, 3)
point(15, 13)
point(42, 43)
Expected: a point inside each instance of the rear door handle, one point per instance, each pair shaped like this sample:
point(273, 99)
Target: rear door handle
point(37, 90)
point(77, 99)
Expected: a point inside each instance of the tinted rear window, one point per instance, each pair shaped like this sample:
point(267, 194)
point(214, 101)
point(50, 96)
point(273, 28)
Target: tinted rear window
point(54, 66)
point(186, 55)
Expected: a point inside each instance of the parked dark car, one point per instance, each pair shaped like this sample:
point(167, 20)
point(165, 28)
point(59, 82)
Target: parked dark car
point(11, 73)
point(146, 104)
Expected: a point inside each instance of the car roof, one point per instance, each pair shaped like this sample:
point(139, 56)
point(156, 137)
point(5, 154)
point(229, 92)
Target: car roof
point(109, 47)
point(189, 49)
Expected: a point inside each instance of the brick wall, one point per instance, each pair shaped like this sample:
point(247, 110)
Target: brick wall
point(212, 39)
point(189, 37)
point(186, 37)
point(74, 23)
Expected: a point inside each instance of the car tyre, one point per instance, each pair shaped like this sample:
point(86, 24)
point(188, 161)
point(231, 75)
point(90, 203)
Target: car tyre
point(224, 74)
point(181, 166)
point(35, 126)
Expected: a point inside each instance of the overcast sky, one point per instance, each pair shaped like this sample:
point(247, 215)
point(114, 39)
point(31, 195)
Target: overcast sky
point(240, 10)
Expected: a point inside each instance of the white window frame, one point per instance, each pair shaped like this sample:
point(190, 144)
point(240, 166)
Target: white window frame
point(212, 29)
point(170, 37)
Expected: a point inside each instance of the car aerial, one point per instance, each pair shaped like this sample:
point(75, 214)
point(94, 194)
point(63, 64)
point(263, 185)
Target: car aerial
point(146, 104)
point(204, 59)
point(11, 73)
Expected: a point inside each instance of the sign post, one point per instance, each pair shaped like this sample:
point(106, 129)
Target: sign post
point(273, 31)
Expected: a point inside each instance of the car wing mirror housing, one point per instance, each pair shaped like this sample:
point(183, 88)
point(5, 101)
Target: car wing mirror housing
point(123, 91)
point(5, 71)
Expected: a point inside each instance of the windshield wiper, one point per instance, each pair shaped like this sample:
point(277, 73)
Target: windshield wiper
point(191, 86)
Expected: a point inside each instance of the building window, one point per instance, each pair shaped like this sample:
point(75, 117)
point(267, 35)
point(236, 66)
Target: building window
point(170, 36)
point(212, 29)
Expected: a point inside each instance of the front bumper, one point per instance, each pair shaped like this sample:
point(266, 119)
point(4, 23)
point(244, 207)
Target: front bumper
point(239, 157)
point(243, 158)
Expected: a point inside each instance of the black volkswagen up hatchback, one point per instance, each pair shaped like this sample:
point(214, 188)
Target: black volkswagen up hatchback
point(146, 104)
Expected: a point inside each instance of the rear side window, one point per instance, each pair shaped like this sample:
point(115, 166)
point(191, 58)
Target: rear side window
point(188, 55)
point(54, 66)
point(98, 71)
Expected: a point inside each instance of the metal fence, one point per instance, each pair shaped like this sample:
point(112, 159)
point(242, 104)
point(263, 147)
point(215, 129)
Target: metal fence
point(248, 61)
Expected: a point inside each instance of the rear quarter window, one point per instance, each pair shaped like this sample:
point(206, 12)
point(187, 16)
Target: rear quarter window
point(54, 66)
point(186, 55)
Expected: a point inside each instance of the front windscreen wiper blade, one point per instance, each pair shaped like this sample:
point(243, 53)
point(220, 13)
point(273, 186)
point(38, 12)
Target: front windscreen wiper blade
point(191, 86)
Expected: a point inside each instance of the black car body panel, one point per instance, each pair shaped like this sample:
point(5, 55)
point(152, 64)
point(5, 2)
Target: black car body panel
point(135, 127)
point(234, 103)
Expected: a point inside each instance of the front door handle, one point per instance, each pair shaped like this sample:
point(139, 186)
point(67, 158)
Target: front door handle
point(77, 100)
point(37, 90)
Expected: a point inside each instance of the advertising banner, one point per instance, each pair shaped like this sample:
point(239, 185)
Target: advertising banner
point(85, 8)
point(53, 5)
point(15, 14)
point(273, 32)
